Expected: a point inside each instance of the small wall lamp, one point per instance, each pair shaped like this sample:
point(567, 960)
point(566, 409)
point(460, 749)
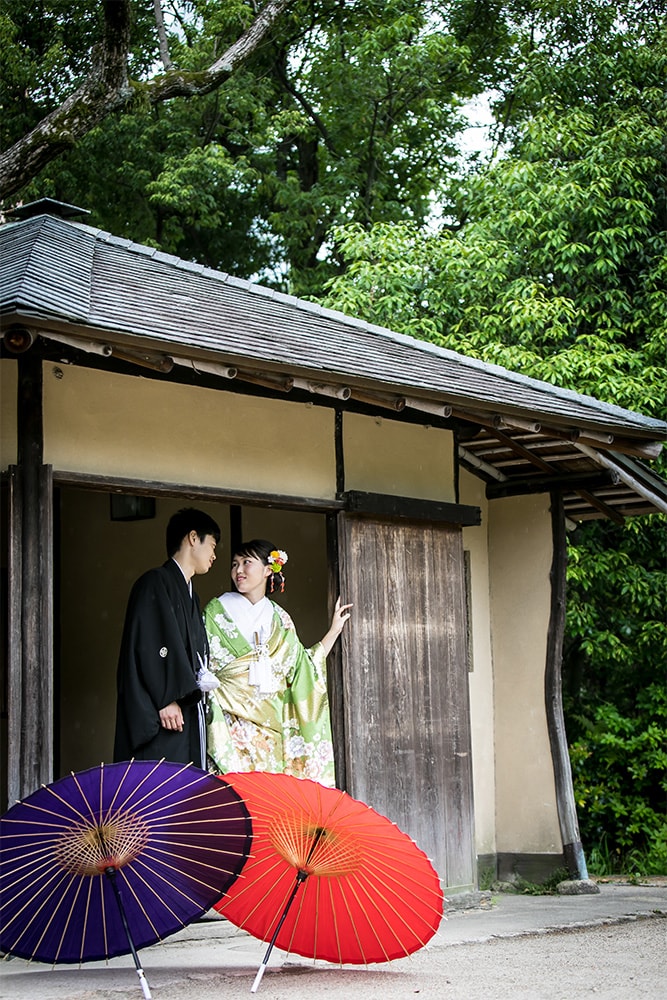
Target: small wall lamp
point(126, 507)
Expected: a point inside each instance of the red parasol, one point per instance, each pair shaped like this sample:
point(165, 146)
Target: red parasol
point(328, 877)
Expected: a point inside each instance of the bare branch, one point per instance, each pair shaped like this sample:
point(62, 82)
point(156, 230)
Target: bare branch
point(165, 55)
point(108, 89)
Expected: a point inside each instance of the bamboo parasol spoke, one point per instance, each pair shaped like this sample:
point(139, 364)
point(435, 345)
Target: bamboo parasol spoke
point(163, 840)
point(329, 877)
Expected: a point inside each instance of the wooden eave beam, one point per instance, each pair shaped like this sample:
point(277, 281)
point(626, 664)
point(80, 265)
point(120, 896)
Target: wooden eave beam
point(500, 422)
point(575, 481)
point(385, 401)
point(386, 505)
point(525, 453)
point(624, 445)
point(604, 508)
point(144, 353)
point(545, 467)
point(281, 383)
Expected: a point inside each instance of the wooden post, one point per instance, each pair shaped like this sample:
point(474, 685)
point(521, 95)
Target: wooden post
point(334, 659)
point(30, 679)
point(553, 691)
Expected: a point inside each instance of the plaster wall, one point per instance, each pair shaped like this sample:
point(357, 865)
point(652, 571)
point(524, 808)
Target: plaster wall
point(118, 425)
point(520, 552)
point(386, 456)
point(480, 677)
point(8, 395)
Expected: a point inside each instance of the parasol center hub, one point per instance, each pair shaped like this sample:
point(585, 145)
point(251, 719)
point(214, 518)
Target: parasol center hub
point(315, 849)
point(90, 849)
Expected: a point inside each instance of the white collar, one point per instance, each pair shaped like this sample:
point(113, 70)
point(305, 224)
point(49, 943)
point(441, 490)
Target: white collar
point(188, 583)
point(249, 618)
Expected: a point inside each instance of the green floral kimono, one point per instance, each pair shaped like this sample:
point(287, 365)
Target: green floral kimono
point(287, 731)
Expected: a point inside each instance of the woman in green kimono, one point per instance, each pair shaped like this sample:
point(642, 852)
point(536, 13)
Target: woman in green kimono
point(270, 711)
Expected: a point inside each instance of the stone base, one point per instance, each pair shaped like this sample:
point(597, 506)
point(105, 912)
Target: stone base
point(578, 887)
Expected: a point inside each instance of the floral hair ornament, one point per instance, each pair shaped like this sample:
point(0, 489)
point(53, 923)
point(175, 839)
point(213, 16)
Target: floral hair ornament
point(277, 560)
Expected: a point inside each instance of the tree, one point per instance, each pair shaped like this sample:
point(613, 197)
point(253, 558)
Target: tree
point(345, 112)
point(555, 265)
point(615, 695)
point(106, 85)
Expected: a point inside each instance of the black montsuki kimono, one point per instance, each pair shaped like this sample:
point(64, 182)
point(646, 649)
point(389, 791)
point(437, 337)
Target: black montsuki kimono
point(158, 664)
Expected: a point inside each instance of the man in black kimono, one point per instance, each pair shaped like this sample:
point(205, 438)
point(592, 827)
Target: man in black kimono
point(163, 650)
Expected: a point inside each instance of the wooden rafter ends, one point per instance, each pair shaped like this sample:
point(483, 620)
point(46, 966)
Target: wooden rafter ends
point(281, 383)
point(387, 402)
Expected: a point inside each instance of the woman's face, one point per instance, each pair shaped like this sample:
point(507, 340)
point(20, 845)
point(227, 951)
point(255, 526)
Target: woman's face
point(249, 575)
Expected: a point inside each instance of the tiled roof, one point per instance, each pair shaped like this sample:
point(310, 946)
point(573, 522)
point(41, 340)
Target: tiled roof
point(67, 271)
point(59, 272)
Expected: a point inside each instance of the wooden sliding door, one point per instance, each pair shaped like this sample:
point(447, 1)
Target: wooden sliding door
point(405, 683)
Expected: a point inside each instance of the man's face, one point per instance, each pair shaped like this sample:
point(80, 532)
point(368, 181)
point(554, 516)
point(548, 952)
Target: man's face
point(203, 553)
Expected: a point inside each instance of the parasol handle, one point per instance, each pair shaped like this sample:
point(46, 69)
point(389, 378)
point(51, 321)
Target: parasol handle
point(258, 977)
point(110, 872)
point(300, 878)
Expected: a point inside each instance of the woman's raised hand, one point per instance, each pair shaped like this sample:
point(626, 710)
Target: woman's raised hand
point(339, 617)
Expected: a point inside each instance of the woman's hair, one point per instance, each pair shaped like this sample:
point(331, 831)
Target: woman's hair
point(261, 548)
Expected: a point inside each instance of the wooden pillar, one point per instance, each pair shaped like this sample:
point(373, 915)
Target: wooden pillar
point(334, 659)
point(30, 674)
point(565, 802)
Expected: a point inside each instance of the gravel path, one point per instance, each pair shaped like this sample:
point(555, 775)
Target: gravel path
point(620, 961)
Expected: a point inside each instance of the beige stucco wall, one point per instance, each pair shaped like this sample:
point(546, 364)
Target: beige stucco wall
point(385, 456)
point(480, 678)
point(8, 376)
point(520, 550)
point(118, 425)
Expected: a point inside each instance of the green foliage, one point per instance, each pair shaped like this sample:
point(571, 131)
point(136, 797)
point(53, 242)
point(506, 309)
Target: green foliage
point(620, 778)
point(351, 112)
point(555, 266)
point(622, 570)
point(558, 266)
point(615, 698)
point(559, 272)
point(549, 887)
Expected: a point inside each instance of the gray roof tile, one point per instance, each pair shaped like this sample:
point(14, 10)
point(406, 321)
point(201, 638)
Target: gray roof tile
point(63, 271)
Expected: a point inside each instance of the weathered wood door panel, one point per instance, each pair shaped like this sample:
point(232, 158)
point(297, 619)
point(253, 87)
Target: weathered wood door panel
point(405, 684)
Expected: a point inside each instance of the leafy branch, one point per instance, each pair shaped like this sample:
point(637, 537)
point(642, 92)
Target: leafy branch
point(108, 89)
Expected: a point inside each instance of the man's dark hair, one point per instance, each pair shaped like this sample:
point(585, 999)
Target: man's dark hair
point(186, 520)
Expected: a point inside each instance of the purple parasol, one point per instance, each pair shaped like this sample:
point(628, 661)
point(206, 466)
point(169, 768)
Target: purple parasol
point(109, 860)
